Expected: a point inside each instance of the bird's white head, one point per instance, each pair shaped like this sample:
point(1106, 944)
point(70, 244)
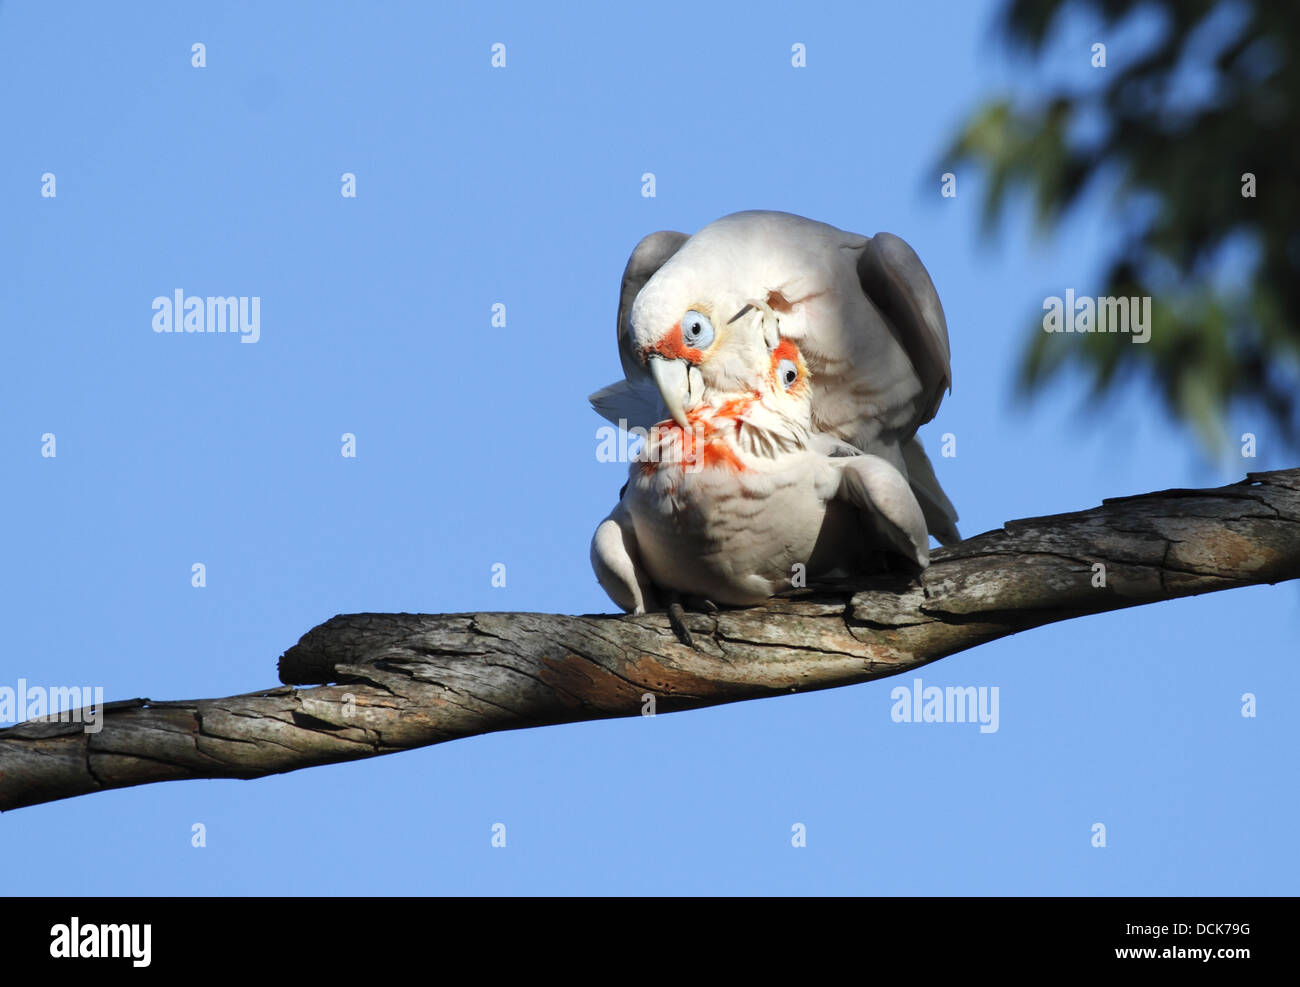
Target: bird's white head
point(708, 318)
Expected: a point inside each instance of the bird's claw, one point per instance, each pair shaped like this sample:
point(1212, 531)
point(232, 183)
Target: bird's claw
point(677, 621)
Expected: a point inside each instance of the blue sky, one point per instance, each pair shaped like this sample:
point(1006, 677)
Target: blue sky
point(475, 445)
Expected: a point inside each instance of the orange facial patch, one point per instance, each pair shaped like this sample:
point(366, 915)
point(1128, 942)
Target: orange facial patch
point(672, 346)
point(787, 350)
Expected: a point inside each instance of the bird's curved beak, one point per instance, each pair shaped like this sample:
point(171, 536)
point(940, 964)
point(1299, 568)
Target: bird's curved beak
point(678, 386)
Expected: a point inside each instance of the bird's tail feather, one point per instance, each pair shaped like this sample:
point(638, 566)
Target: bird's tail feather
point(940, 515)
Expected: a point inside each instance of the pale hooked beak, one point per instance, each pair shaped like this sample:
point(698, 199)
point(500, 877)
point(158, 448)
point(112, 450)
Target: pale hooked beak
point(680, 385)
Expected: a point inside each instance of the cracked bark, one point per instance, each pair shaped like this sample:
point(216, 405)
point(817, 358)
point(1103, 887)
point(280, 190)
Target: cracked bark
point(392, 682)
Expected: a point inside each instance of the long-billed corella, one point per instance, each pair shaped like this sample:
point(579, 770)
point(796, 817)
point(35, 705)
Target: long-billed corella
point(732, 504)
point(703, 313)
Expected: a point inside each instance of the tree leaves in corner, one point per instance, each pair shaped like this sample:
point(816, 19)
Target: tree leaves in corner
point(1175, 125)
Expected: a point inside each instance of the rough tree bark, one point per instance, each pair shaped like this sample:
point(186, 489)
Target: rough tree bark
point(410, 680)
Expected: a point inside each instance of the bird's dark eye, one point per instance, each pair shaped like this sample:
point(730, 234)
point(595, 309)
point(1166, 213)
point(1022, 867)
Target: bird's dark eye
point(697, 329)
point(787, 373)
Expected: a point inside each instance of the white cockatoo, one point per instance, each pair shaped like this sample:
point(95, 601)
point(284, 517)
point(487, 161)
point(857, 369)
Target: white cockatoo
point(705, 312)
point(736, 502)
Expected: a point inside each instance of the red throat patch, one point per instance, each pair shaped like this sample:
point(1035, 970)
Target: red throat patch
point(705, 445)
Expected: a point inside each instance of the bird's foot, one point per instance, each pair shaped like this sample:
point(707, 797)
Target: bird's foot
point(679, 605)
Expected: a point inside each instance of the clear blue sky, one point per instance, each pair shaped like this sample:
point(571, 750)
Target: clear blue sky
point(475, 445)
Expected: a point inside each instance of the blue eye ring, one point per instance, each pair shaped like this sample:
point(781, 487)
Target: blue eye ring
point(787, 374)
point(697, 330)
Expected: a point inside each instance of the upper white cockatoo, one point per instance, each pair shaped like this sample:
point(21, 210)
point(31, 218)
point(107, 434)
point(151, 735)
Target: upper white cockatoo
point(707, 310)
point(725, 505)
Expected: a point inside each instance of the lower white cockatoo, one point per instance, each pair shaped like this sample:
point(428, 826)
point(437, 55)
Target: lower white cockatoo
point(727, 505)
point(705, 311)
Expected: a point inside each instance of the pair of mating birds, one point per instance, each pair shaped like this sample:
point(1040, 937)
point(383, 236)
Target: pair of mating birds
point(782, 367)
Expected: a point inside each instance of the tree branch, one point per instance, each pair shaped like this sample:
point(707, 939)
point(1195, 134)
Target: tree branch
point(410, 680)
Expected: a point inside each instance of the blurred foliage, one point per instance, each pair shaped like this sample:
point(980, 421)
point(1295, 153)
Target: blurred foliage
point(1174, 125)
